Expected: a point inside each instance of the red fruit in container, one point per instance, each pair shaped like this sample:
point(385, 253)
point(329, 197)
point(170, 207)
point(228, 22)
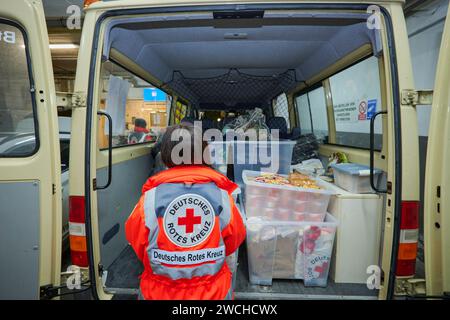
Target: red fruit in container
point(307, 246)
point(257, 191)
point(310, 244)
point(270, 213)
point(299, 206)
point(298, 216)
point(315, 217)
point(313, 233)
point(284, 214)
point(321, 269)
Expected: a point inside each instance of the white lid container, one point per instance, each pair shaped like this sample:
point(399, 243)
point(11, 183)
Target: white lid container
point(354, 177)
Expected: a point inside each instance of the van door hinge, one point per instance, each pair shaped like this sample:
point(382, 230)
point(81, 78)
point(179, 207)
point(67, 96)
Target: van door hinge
point(417, 97)
point(48, 292)
point(389, 187)
point(79, 100)
point(53, 188)
point(101, 269)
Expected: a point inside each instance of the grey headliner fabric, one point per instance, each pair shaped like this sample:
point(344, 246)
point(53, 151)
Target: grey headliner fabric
point(176, 56)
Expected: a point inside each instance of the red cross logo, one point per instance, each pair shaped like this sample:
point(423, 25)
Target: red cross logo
point(189, 221)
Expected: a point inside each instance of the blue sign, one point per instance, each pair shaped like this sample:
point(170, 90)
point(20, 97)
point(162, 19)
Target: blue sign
point(371, 108)
point(154, 95)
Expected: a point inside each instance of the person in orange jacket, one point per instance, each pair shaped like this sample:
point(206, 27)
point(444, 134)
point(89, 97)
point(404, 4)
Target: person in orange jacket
point(185, 224)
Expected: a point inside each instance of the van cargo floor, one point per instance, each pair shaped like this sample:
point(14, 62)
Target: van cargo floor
point(123, 281)
point(294, 289)
point(123, 273)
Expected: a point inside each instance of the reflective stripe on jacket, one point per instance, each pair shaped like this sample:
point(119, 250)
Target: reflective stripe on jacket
point(182, 228)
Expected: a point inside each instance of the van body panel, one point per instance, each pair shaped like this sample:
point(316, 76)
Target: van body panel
point(437, 179)
point(88, 85)
point(22, 255)
point(114, 209)
point(406, 140)
point(36, 178)
point(122, 4)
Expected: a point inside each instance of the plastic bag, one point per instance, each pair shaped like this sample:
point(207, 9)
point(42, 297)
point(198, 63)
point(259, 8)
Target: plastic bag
point(254, 120)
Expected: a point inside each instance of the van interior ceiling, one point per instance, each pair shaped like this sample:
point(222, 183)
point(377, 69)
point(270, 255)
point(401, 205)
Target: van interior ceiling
point(217, 63)
point(220, 64)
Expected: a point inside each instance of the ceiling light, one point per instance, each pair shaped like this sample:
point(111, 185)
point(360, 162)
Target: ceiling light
point(63, 46)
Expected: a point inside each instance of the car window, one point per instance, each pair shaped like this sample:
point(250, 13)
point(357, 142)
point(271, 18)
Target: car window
point(356, 96)
point(281, 108)
point(139, 111)
point(312, 113)
point(17, 119)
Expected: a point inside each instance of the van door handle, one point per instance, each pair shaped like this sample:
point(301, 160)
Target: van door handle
point(372, 151)
point(110, 124)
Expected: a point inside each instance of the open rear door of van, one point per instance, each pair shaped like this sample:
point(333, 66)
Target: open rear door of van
point(30, 172)
point(437, 179)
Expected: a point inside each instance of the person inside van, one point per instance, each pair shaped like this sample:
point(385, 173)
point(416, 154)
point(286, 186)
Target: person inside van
point(186, 224)
point(140, 133)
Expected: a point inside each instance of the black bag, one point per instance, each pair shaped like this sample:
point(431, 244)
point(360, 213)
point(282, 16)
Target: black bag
point(307, 147)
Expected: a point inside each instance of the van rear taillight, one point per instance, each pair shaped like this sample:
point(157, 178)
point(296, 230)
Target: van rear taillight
point(77, 231)
point(409, 237)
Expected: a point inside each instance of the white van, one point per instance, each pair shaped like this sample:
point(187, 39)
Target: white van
point(310, 63)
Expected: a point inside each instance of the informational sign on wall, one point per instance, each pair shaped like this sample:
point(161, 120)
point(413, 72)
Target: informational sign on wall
point(352, 112)
point(346, 112)
point(371, 108)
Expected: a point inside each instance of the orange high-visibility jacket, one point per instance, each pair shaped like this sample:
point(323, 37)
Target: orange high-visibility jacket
point(182, 229)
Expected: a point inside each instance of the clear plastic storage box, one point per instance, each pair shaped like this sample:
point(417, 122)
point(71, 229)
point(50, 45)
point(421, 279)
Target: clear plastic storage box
point(290, 250)
point(220, 155)
point(268, 156)
point(354, 177)
point(284, 203)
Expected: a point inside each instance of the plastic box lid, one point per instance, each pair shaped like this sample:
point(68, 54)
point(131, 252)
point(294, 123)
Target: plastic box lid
point(330, 221)
point(246, 174)
point(354, 169)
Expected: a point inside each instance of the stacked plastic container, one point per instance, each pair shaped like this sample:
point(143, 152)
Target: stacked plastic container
point(269, 156)
point(289, 233)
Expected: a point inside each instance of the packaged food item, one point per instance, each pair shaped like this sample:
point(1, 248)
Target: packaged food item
point(302, 181)
point(285, 251)
point(294, 179)
point(272, 178)
point(314, 254)
point(261, 241)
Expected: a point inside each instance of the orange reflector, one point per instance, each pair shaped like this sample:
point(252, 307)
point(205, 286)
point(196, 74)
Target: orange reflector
point(87, 3)
point(407, 251)
point(77, 243)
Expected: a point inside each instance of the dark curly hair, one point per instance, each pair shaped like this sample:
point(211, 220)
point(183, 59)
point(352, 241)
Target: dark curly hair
point(183, 144)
